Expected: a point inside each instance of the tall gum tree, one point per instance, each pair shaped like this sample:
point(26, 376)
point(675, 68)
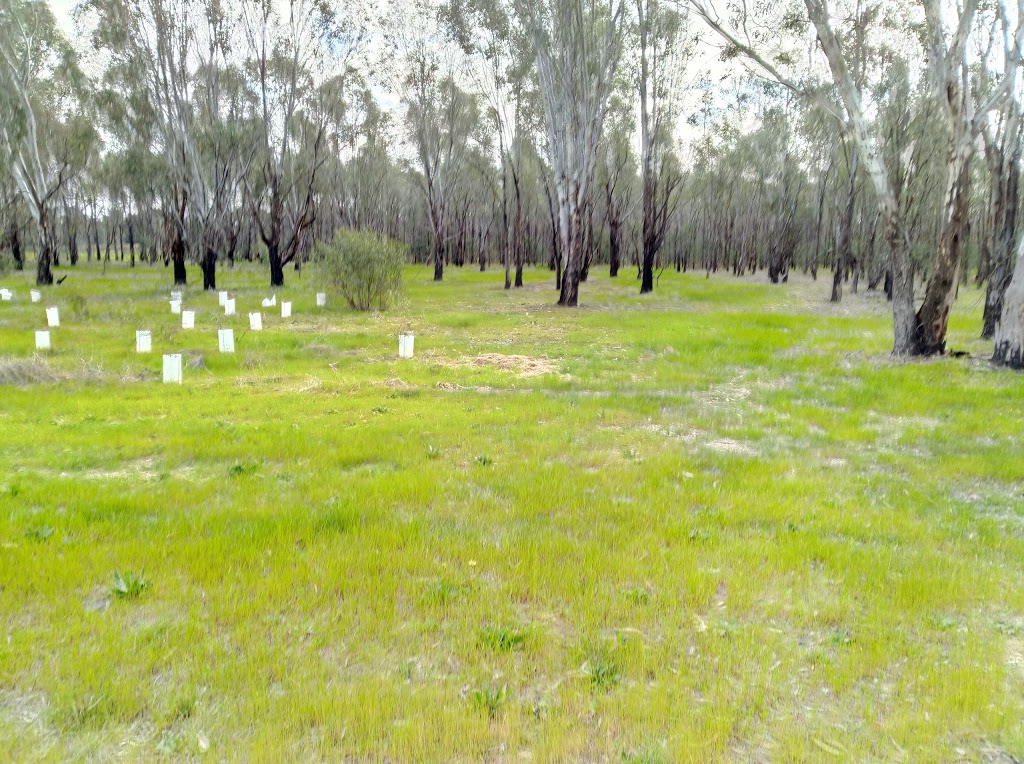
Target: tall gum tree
point(577, 47)
point(916, 332)
point(42, 142)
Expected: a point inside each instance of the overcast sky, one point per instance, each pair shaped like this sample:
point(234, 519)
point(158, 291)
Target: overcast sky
point(62, 10)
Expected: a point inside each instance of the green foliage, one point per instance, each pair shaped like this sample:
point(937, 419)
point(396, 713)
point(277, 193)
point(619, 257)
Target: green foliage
point(363, 267)
point(502, 639)
point(40, 534)
point(6, 261)
point(128, 585)
point(602, 671)
point(490, 698)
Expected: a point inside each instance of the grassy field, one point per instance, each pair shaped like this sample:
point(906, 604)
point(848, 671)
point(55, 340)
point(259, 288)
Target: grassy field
point(715, 524)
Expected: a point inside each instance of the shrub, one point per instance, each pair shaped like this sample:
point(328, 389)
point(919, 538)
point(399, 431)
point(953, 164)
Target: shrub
point(363, 267)
point(6, 262)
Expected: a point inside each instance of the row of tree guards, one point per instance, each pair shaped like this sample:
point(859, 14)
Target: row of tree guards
point(172, 366)
point(560, 132)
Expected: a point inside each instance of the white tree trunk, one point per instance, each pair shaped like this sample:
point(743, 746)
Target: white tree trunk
point(1010, 329)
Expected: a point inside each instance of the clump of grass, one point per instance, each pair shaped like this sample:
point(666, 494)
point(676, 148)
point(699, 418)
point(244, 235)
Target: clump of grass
point(638, 596)
point(502, 639)
point(128, 585)
point(647, 755)
point(841, 637)
point(490, 698)
point(601, 669)
point(443, 592)
point(39, 534)
point(241, 470)
point(380, 409)
point(434, 452)
point(78, 305)
point(484, 460)
point(168, 744)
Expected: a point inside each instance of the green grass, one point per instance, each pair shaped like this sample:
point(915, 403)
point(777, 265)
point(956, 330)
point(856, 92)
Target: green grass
point(718, 523)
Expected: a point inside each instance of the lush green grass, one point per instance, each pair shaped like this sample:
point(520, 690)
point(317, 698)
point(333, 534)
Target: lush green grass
point(718, 523)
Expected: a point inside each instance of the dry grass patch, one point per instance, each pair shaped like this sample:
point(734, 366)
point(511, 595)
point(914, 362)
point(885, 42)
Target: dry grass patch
point(522, 365)
point(36, 370)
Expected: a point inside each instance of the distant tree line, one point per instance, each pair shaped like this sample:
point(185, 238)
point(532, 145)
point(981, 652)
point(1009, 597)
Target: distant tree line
point(879, 143)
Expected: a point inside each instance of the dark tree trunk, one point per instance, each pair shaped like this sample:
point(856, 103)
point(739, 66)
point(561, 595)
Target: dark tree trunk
point(44, 275)
point(932, 318)
point(276, 267)
point(209, 266)
point(15, 241)
point(178, 259)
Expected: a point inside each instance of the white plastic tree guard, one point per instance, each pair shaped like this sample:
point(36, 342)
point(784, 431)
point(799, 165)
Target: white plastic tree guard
point(256, 322)
point(36, 295)
point(229, 307)
point(42, 340)
point(226, 338)
point(222, 297)
point(172, 369)
point(143, 341)
point(286, 310)
point(176, 295)
point(270, 302)
point(6, 295)
point(188, 319)
point(321, 299)
point(52, 317)
point(175, 306)
point(405, 345)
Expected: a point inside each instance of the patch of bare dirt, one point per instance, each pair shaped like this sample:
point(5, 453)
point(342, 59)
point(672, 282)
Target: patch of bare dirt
point(524, 366)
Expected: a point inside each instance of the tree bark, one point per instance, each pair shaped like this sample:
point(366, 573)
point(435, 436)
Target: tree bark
point(1009, 335)
point(932, 319)
point(276, 267)
point(209, 267)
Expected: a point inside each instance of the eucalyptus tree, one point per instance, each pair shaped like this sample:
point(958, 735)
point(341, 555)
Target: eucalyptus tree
point(176, 62)
point(44, 134)
point(501, 66)
point(577, 46)
point(617, 176)
point(440, 119)
point(663, 47)
point(293, 62)
point(947, 45)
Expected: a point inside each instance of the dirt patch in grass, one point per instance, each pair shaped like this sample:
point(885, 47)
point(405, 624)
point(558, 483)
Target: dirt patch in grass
point(524, 366)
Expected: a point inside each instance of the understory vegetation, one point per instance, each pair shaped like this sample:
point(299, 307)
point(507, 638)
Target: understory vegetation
point(716, 523)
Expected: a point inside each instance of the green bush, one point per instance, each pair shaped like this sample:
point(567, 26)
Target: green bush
point(363, 267)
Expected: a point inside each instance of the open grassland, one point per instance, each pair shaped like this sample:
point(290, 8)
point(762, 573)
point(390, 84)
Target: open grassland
point(715, 524)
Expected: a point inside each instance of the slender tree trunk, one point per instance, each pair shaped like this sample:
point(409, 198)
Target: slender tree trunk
point(178, 259)
point(15, 240)
point(44, 273)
